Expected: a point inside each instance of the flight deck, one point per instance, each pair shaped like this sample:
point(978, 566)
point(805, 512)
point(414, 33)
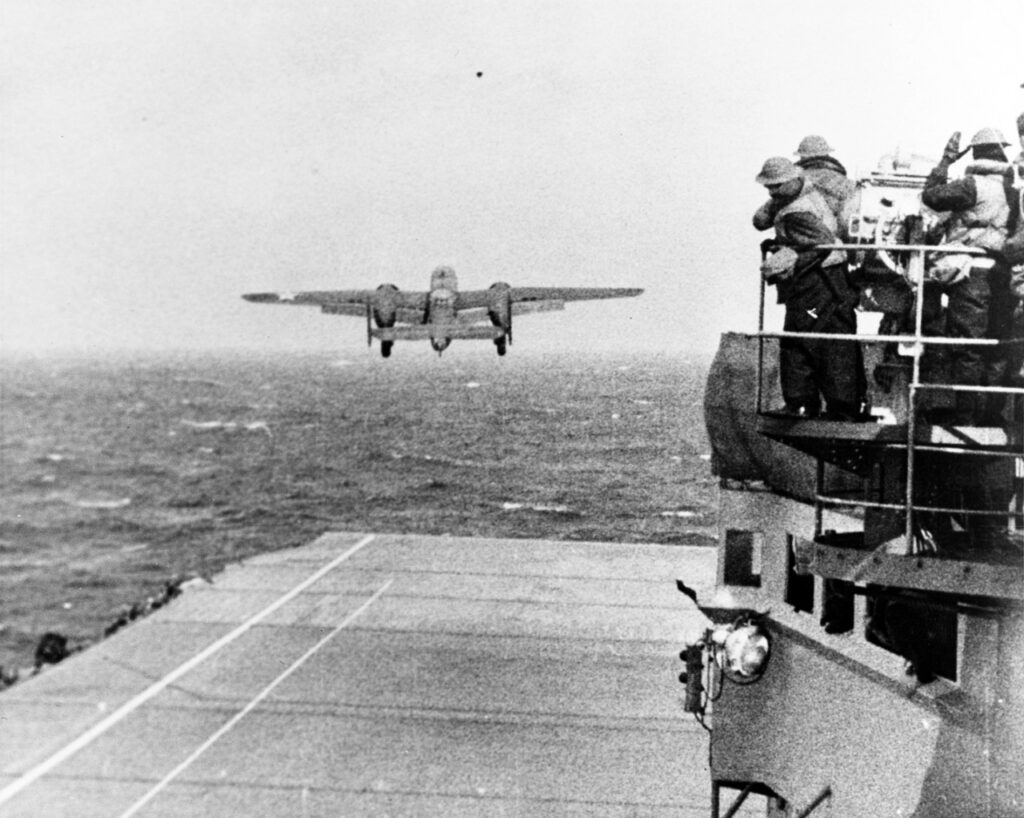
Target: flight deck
point(380, 674)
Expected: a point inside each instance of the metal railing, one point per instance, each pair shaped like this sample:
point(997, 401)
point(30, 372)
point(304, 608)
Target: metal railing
point(912, 346)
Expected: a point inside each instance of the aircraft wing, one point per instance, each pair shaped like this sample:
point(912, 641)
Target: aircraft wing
point(340, 302)
point(555, 296)
point(524, 307)
point(527, 294)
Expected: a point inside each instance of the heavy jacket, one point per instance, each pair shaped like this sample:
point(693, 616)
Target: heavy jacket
point(818, 299)
point(800, 223)
point(829, 176)
point(1013, 250)
point(979, 302)
point(979, 202)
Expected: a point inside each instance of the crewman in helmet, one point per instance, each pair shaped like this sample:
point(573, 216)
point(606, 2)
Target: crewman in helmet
point(827, 174)
point(1013, 253)
point(813, 285)
point(1020, 135)
point(977, 287)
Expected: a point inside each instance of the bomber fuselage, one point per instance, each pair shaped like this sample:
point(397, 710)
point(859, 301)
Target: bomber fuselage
point(441, 306)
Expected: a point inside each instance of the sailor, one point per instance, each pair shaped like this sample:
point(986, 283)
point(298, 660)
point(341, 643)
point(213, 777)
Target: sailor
point(813, 285)
point(977, 287)
point(828, 175)
point(1013, 253)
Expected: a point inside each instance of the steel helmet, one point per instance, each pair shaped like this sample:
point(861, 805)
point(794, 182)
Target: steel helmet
point(777, 170)
point(988, 136)
point(813, 146)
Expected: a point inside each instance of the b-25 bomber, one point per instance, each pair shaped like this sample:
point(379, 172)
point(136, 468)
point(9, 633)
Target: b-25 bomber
point(442, 313)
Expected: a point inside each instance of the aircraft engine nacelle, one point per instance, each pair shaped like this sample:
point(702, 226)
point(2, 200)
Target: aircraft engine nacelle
point(499, 305)
point(385, 305)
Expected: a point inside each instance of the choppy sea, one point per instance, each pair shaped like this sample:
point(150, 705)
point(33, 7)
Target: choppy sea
point(122, 473)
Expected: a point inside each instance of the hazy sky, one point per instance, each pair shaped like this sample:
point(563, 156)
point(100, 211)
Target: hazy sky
point(158, 159)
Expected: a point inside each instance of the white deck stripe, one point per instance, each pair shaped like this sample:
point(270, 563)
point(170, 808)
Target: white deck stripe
point(167, 779)
point(37, 772)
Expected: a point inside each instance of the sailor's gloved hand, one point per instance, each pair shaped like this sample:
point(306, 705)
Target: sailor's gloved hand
point(779, 266)
point(952, 150)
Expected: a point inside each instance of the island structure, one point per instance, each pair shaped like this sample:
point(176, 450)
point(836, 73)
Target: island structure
point(864, 651)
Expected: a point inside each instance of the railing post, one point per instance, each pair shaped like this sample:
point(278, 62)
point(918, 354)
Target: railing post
point(819, 490)
point(915, 271)
point(760, 349)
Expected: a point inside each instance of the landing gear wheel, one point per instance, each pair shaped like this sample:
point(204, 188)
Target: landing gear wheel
point(385, 348)
point(501, 345)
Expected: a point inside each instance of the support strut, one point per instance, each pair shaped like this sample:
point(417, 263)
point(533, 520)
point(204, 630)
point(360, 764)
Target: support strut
point(822, 796)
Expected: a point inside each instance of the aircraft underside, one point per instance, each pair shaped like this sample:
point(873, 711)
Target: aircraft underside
point(439, 340)
point(443, 313)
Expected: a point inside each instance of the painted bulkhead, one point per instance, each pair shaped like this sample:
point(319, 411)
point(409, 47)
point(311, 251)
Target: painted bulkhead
point(836, 725)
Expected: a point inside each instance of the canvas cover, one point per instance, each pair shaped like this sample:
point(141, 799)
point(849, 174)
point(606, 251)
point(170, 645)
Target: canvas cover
point(738, 451)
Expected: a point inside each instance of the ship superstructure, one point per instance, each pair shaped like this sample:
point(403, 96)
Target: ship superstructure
point(867, 652)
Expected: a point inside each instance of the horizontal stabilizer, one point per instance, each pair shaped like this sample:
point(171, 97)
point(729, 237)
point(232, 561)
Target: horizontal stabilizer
point(427, 331)
point(479, 331)
point(473, 315)
point(418, 332)
point(523, 307)
point(409, 315)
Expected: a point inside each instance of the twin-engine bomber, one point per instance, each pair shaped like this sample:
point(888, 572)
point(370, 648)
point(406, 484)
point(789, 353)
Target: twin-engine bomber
point(442, 313)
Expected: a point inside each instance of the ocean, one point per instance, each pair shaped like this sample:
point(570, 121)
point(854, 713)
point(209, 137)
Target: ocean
point(123, 473)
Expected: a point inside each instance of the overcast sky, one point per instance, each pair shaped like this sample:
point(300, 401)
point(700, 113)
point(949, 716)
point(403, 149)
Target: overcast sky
point(159, 159)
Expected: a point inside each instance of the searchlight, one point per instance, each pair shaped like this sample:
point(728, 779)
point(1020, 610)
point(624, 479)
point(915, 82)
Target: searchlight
point(741, 650)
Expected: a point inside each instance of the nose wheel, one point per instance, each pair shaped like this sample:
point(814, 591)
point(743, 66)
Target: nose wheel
point(501, 344)
point(385, 348)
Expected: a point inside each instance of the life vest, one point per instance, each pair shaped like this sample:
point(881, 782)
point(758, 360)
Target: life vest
point(829, 178)
point(984, 224)
point(1013, 250)
point(810, 201)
